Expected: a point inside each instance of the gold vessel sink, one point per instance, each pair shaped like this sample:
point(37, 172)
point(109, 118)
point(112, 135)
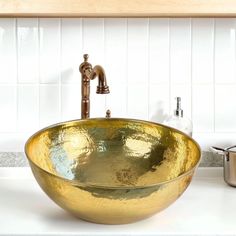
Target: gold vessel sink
point(112, 171)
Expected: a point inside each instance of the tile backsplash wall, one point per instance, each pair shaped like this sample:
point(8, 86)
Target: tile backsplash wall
point(148, 63)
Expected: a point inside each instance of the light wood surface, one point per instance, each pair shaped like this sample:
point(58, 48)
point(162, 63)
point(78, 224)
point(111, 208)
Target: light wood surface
point(117, 8)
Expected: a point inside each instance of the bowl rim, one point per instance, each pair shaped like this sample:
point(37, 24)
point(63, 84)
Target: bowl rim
point(78, 184)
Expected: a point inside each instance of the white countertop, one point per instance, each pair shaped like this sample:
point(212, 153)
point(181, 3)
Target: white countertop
point(208, 207)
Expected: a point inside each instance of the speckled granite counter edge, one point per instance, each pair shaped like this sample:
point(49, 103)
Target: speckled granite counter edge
point(18, 159)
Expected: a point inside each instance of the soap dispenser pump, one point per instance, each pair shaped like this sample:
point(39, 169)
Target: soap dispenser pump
point(178, 120)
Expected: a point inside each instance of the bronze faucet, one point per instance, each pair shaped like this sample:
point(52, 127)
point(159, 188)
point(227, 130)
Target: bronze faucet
point(89, 73)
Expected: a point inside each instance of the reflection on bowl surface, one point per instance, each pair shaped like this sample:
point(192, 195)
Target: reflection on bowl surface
point(112, 171)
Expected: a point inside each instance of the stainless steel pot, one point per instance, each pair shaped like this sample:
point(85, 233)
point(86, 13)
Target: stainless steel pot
point(229, 163)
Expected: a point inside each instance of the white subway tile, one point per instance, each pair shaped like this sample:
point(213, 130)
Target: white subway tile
point(93, 44)
point(159, 102)
point(97, 104)
point(8, 108)
point(8, 68)
point(71, 50)
point(202, 50)
point(49, 50)
point(116, 101)
point(203, 108)
point(93, 39)
point(180, 50)
point(225, 51)
point(116, 51)
point(28, 108)
point(206, 140)
point(71, 101)
point(138, 50)
point(183, 91)
point(49, 105)
point(13, 142)
point(159, 51)
point(225, 114)
point(28, 48)
point(138, 101)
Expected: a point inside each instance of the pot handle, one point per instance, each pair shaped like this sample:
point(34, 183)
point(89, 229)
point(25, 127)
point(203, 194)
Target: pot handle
point(228, 148)
point(218, 150)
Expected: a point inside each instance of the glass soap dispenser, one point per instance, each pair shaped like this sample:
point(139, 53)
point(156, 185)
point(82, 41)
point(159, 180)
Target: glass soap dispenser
point(178, 121)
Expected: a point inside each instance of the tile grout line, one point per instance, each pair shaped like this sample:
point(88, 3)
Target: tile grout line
point(81, 51)
point(82, 47)
point(213, 71)
point(148, 62)
point(191, 66)
point(127, 61)
point(169, 38)
point(76, 83)
point(17, 76)
point(104, 59)
point(82, 35)
point(39, 74)
point(60, 69)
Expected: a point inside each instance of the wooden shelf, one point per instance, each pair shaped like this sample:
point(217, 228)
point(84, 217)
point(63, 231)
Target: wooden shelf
point(117, 8)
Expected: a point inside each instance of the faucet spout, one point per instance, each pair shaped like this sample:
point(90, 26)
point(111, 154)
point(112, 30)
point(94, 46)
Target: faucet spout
point(102, 87)
point(89, 73)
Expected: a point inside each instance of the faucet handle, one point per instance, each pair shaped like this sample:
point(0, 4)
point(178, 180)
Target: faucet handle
point(108, 114)
point(85, 66)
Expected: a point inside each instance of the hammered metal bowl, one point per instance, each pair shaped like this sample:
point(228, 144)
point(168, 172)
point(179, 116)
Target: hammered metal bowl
point(112, 171)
